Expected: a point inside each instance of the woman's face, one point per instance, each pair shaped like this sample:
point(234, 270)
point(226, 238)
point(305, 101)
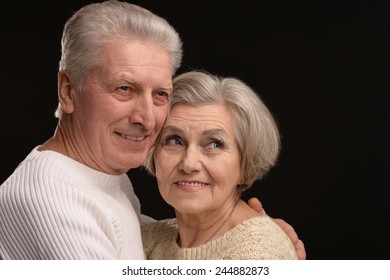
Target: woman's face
point(197, 159)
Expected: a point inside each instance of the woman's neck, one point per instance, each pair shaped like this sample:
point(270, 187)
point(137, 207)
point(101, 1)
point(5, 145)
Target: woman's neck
point(197, 229)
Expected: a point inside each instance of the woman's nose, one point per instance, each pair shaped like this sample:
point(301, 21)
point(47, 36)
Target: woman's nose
point(191, 161)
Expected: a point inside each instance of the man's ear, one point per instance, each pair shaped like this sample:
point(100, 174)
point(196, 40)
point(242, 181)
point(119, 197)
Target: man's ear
point(66, 92)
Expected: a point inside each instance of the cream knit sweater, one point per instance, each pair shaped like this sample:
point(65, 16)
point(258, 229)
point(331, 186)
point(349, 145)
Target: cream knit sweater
point(53, 207)
point(258, 238)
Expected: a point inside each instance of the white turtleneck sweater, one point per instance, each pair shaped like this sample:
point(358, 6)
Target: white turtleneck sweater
point(53, 207)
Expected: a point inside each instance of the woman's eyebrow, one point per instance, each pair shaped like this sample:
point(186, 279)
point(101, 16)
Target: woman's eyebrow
point(172, 129)
point(214, 131)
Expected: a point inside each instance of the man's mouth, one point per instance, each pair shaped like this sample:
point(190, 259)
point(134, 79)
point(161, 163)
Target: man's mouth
point(133, 138)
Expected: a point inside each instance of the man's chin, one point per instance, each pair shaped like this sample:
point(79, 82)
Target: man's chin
point(136, 160)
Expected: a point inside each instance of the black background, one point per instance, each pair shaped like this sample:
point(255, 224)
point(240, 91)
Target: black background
point(322, 67)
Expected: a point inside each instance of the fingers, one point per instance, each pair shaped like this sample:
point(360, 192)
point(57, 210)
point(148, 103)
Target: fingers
point(300, 249)
point(288, 229)
point(255, 204)
point(298, 244)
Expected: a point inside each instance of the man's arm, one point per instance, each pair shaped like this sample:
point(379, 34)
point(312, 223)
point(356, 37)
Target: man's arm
point(287, 228)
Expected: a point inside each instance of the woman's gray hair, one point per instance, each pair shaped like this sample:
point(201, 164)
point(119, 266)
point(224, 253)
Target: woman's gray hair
point(97, 24)
point(256, 131)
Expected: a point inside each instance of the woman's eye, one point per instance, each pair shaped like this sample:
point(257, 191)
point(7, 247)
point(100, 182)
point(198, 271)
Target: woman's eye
point(216, 144)
point(173, 140)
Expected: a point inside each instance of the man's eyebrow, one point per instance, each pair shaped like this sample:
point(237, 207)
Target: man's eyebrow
point(130, 81)
point(169, 87)
point(138, 84)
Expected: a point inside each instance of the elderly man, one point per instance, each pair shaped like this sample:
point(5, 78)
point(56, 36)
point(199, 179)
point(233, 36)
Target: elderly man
point(71, 198)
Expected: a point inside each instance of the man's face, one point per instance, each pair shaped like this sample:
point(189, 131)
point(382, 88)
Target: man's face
point(123, 106)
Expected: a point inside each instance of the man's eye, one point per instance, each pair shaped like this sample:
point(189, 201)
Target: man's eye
point(123, 93)
point(125, 88)
point(161, 97)
point(162, 93)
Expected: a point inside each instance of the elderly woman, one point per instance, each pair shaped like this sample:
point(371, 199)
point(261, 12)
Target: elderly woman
point(218, 139)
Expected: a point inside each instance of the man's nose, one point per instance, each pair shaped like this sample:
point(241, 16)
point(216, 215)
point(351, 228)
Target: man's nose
point(143, 111)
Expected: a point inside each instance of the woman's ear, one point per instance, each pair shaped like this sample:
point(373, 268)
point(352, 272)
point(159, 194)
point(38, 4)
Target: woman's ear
point(66, 92)
point(242, 185)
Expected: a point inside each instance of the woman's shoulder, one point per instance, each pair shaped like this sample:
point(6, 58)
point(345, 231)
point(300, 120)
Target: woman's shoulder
point(260, 238)
point(165, 225)
point(161, 232)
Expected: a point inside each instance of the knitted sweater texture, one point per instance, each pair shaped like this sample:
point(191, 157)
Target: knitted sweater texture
point(53, 207)
point(258, 238)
